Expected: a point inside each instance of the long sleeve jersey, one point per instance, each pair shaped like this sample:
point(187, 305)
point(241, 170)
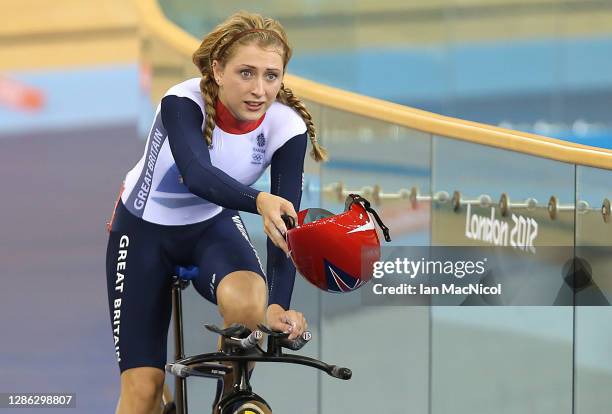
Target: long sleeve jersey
point(180, 180)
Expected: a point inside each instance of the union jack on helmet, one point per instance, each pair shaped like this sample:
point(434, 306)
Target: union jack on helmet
point(336, 252)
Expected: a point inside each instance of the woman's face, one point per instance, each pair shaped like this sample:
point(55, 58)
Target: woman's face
point(250, 81)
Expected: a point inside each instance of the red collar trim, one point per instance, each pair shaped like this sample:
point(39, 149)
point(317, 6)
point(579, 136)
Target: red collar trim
point(228, 123)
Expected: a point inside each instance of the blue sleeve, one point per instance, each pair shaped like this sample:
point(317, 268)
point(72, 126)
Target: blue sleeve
point(183, 119)
point(286, 171)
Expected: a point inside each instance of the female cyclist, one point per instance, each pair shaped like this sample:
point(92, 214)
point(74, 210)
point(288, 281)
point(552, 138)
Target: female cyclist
point(211, 139)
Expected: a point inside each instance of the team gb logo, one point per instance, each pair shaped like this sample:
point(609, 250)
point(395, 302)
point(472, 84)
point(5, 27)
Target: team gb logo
point(261, 140)
point(259, 150)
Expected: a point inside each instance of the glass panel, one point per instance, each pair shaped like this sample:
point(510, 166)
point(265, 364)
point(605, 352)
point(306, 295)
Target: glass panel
point(370, 153)
point(593, 337)
point(515, 359)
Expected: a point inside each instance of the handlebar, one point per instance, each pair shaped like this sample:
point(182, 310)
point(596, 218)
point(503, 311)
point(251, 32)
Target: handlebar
point(341, 373)
point(246, 348)
point(297, 343)
point(281, 340)
point(249, 342)
point(232, 337)
point(210, 370)
point(199, 363)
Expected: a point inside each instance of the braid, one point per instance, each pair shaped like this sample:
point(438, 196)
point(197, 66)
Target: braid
point(286, 96)
point(209, 92)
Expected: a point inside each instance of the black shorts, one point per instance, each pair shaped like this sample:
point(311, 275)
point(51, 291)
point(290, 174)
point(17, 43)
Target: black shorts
point(140, 261)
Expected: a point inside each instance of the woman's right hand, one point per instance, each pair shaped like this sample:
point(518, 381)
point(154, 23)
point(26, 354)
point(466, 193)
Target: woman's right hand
point(271, 208)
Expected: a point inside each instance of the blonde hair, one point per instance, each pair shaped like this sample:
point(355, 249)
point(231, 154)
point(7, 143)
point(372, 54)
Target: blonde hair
point(243, 28)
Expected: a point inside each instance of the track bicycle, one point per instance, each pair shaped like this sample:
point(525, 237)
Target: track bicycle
point(240, 346)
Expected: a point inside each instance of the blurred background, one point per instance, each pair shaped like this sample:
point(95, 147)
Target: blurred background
point(538, 66)
point(78, 88)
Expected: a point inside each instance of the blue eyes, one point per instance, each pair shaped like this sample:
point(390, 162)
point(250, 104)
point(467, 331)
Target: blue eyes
point(247, 74)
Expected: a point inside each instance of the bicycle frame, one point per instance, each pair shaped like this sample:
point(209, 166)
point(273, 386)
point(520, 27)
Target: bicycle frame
point(180, 384)
point(207, 365)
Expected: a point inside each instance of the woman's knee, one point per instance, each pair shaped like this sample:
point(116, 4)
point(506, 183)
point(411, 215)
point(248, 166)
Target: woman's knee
point(242, 295)
point(142, 384)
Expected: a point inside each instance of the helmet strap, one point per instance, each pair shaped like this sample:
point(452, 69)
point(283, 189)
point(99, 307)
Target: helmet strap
point(366, 204)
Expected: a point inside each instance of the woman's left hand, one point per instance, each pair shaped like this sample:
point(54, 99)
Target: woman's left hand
point(289, 321)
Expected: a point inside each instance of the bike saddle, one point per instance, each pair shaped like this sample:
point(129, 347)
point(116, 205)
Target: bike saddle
point(234, 330)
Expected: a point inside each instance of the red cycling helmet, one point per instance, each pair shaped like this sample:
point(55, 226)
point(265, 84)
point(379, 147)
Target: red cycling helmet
point(336, 252)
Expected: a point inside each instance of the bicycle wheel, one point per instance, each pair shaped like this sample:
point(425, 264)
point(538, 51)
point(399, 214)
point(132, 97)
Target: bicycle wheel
point(252, 408)
point(248, 407)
